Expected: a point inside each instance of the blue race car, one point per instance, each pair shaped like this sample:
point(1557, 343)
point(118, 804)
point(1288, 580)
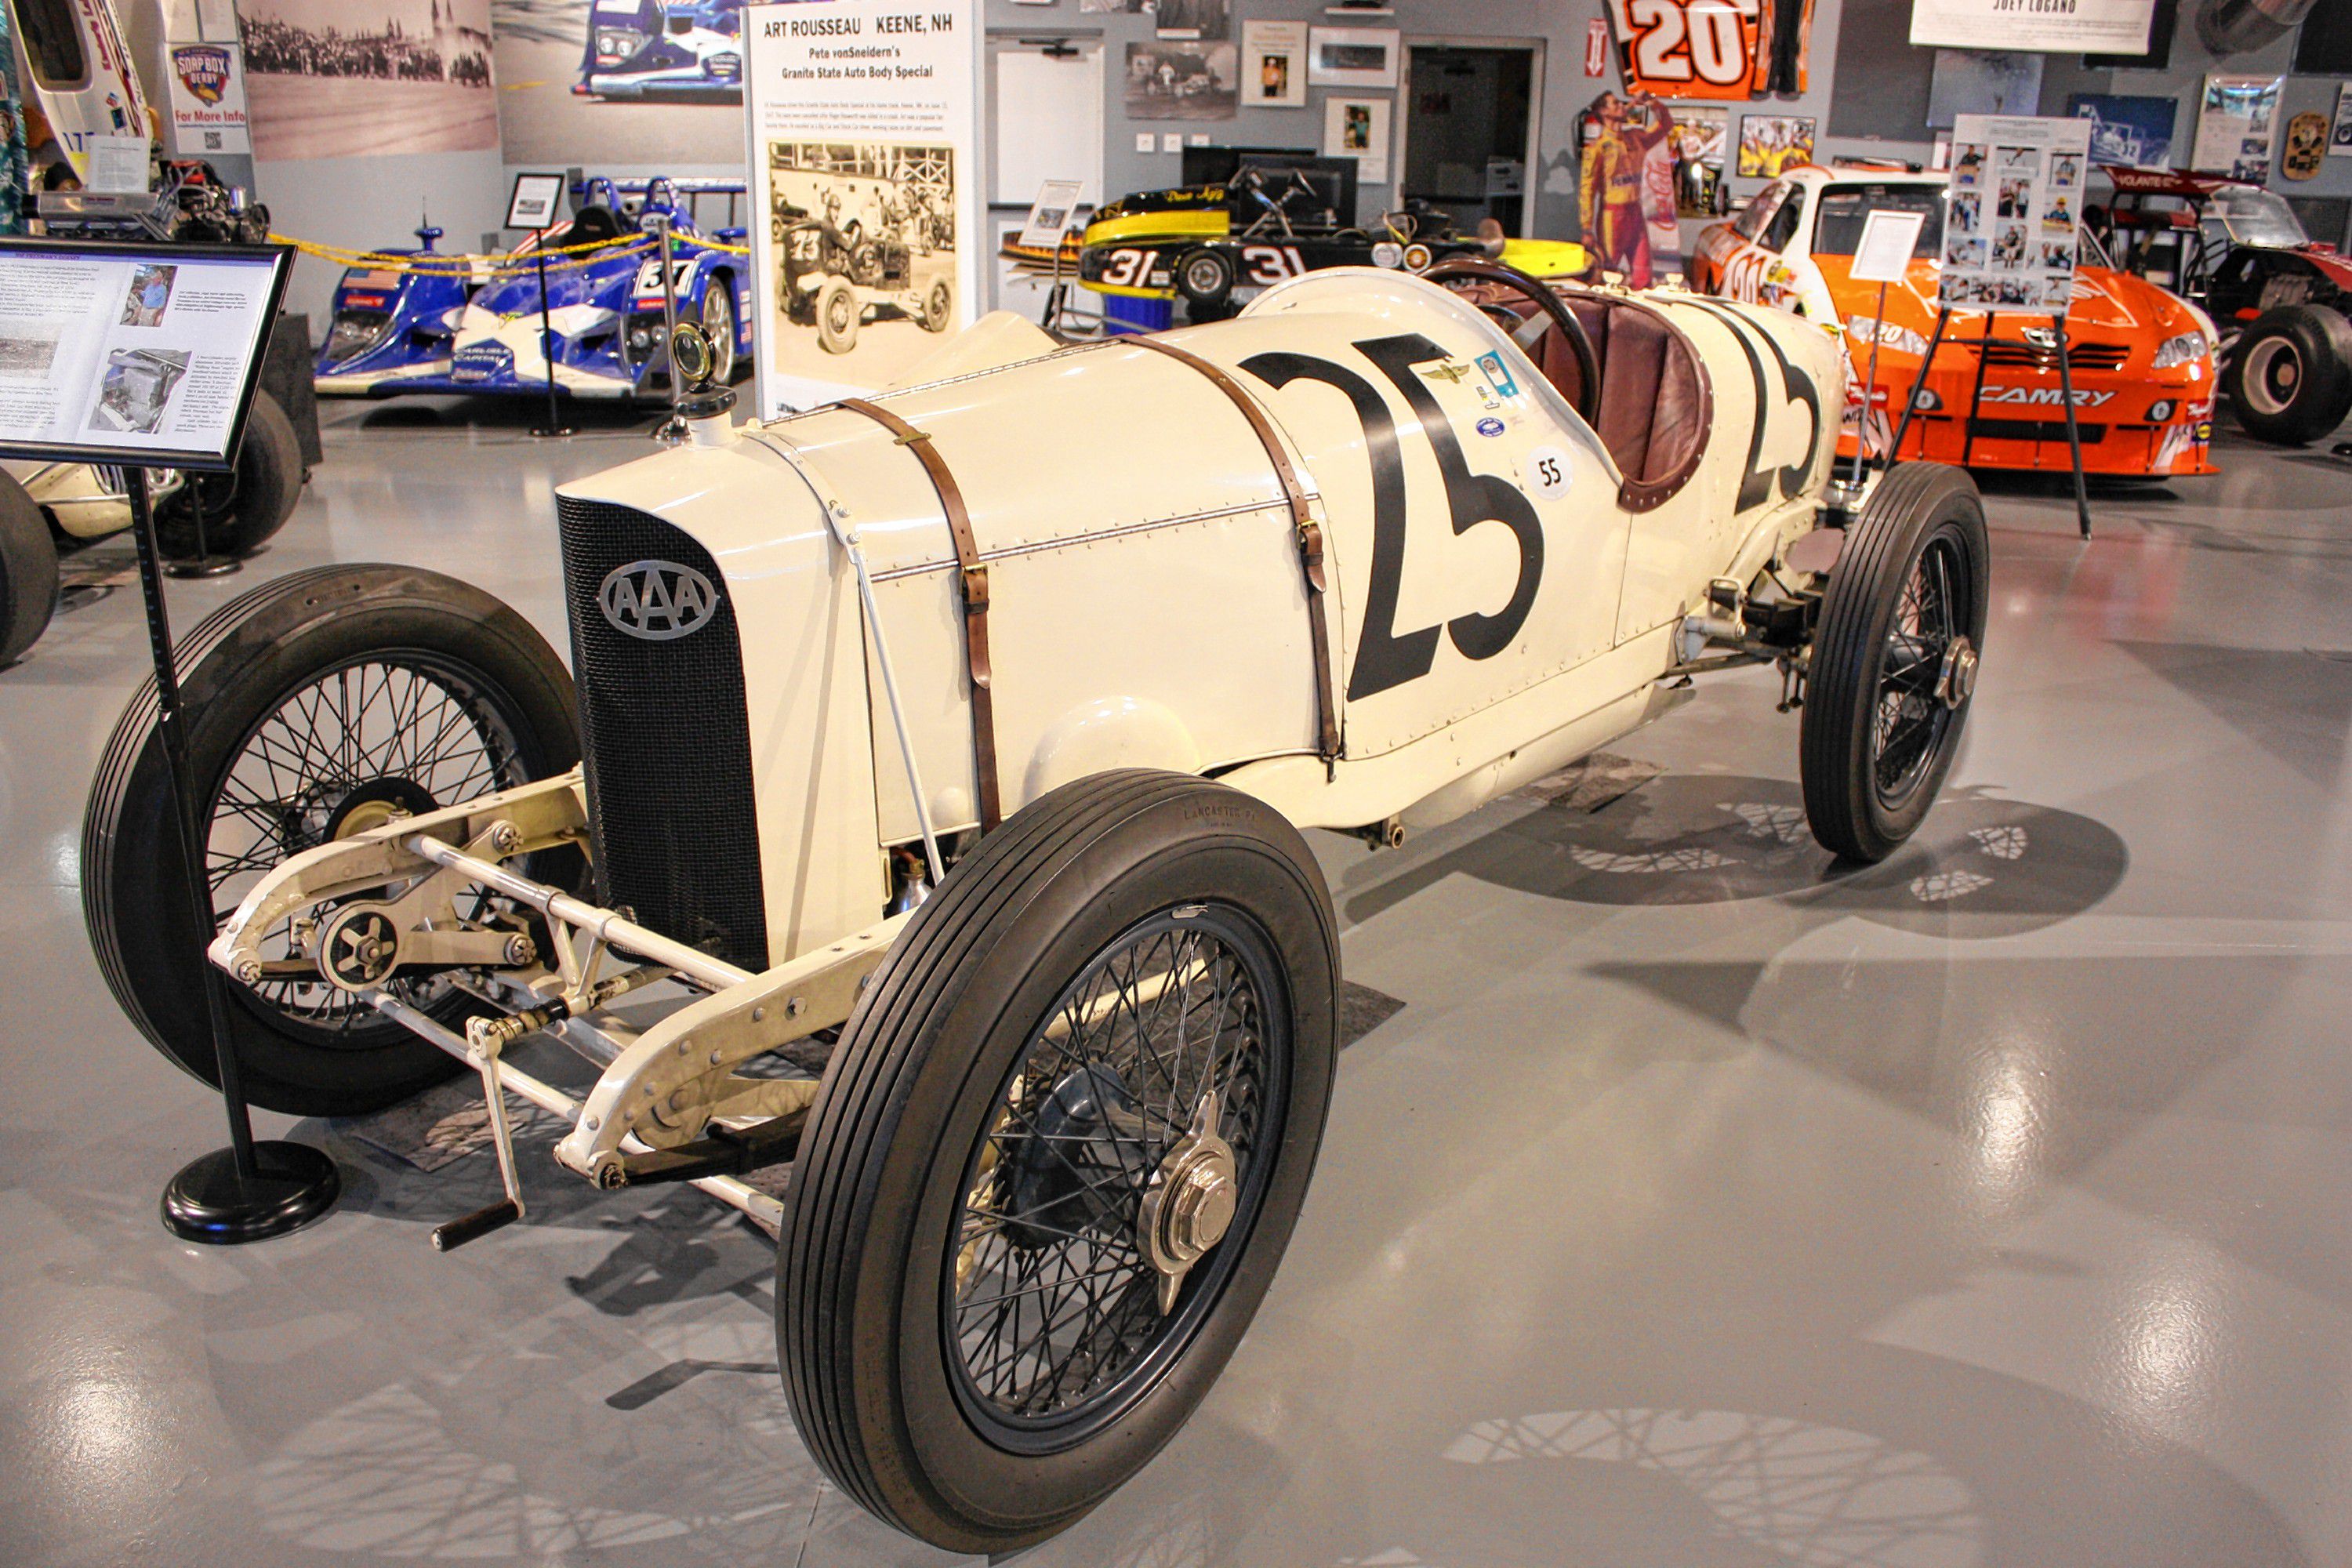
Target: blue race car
point(475, 328)
point(669, 49)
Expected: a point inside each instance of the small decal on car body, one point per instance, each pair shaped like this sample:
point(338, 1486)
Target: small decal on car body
point(1549, 474)
point(1490, 426)
point(1499, 375)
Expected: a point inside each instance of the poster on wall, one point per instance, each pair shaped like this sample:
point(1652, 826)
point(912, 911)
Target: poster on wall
point(208, 90)
point(2236, 118)
point(2075, 27)
point(1771, 145)
point(1183, 81)
point(358, 79)
point(1700, 140)
point(1625, 188)
point(2134, 130)
point(1358, 128)
point(864, 122)
point(1273, 65)
point(2339, 138)
point(1195, 18)
point(2016, 197)
point(1687, 48)
point(1352, 57)
point(603, 83)
point(2306, 147)
point(1982, 81)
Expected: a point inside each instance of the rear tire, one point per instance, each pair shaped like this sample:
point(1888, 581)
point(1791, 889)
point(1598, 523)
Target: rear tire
point(921, 1188)
point(242, 509)
point(28, 571)
point(441, 660)
point(1205, 278)
point(2289, 379)
point(1893, 661)
point(939, 309)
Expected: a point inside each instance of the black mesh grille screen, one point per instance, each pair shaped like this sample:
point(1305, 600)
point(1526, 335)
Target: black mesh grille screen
point(668, 746)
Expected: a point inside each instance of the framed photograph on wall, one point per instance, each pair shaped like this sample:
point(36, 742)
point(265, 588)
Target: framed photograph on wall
point(1358, 128)
point(1769, 143)
point(1352, 57)
point(1273, 65)
point(1206, 19)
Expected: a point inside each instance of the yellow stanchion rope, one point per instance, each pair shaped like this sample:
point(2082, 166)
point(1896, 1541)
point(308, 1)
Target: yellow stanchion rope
point(514, 264)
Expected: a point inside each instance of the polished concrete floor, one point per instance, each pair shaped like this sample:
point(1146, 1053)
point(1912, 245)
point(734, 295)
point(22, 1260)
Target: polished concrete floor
point(1698, 1209)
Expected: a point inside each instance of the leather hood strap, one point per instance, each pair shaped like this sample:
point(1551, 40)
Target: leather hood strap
point(973, 579)
point(1310, 536)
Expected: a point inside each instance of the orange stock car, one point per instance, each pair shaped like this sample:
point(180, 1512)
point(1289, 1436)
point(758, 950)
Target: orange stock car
point(2140, 359)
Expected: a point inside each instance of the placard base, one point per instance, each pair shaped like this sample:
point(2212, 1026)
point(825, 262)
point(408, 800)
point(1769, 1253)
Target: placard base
point(210, 1202)
point(204, 566)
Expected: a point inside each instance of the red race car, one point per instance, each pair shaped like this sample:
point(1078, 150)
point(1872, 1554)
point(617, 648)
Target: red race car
point(2140, 358)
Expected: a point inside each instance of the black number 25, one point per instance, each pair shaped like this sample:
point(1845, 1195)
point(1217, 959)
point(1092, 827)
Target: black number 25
point(1385, 656)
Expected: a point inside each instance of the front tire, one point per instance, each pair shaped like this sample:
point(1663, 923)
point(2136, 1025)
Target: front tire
point(314, 696)
point(837, 311)
point(2289, 379)
point(28, 571)
point(1205, 278)
point(1894, 660)
point(239, 510)
point(939, 311)
point(938, 1221)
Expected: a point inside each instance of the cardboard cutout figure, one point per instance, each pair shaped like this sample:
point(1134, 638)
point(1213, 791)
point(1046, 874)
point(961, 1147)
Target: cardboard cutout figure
point(1620, 193)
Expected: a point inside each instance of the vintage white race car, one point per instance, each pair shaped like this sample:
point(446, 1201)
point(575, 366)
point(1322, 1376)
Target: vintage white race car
point(967, 734)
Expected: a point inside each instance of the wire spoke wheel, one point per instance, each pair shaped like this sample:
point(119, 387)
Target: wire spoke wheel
point(1893, 661)
point(319, 705)
point(1053, 1303)
point(347, 750)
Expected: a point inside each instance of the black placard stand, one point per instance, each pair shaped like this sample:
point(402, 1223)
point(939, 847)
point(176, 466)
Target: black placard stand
point(1976, 401)
point(555, 426)
point(251, 1190)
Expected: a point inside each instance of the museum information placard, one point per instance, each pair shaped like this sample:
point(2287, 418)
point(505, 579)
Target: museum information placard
point(863, 121)
point(119, 353)
point(2017, 186)
point(2049, 26)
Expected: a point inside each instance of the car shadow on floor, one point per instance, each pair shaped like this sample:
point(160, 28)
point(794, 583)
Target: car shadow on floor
point(1982, 866)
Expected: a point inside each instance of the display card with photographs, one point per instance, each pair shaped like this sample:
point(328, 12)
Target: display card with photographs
point(2017, 189)
point(139, 355)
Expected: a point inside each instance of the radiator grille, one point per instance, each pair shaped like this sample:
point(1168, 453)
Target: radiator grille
point(667, 744)
point(2079, 356)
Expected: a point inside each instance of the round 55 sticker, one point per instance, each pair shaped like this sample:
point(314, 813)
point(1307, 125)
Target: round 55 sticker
point(1548, 472)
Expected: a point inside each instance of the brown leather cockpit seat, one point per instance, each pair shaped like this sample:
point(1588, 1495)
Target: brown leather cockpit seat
point(1656, 406)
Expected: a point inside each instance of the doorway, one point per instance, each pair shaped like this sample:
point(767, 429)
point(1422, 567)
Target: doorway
point(1470, 116)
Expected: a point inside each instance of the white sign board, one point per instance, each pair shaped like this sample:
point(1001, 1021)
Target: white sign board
point(1889, 238)
point(1050, 215)
point(535, 201)
point(2017, 189)
point(136, 354)
point(866, 233)
point(2049, 26)
point(2237, 123)
point(1273, 65)
point(208, 99)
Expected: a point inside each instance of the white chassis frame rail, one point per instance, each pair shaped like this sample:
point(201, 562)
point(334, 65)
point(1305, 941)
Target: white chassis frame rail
point(659, 1090)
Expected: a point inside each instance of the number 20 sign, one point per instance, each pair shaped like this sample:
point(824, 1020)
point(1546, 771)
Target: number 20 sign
point(1687, 48)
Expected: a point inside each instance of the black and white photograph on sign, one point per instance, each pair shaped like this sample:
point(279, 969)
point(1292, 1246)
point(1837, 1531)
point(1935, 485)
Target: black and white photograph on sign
point(620, 81)
point(352, 78)
point(865, 255)
point(150, 291)
point(1273, 65)
point(1119, 7)
point(136, 390)
point(536, 200)
point(1181, 81)
point(28, 349)
point(1206, 19)
point(1352, 57)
